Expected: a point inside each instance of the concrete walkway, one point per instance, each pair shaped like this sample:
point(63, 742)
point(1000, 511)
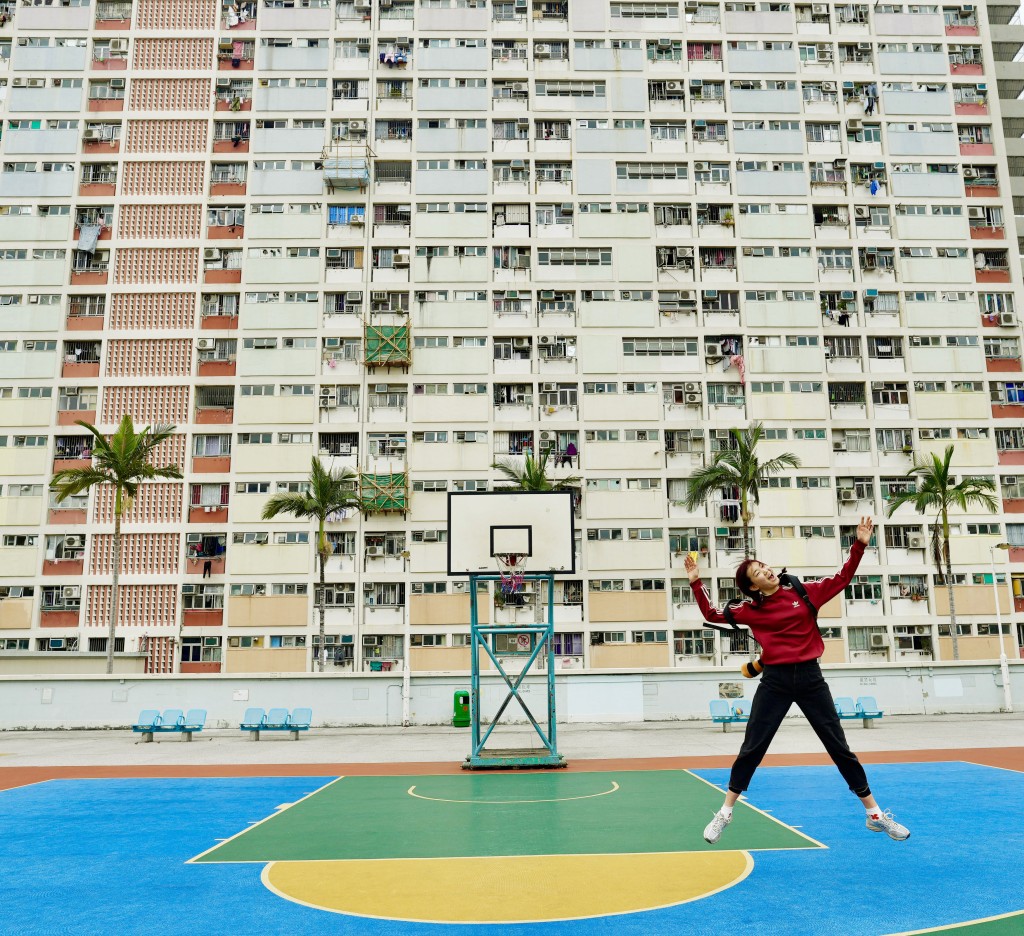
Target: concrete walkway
point(439, 744)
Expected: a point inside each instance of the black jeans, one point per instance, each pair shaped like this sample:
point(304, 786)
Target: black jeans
point(781, 686)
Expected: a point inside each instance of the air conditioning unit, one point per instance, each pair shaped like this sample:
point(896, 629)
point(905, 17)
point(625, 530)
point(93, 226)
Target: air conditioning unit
point(977, 213)
point(193, 537)
point(927, 433)
point(368, 587)
point(205, 344)
point(400, 261)
point(854, 124)
point(838, 445)
point(819, 8)
point(861, 211)
point(520, 342)
point(398, 445)
point(356, 220)
point(568, 207)
point(211, 253)
point(673, 86)
point(970, 173)
point(518, 164)
point(223, 82)
point(864, 46)
point(700, 167)
point(18, 82)
point(430, 536)
point(546, 435)
point(691, 387)
point(73, 542)
point(71, 391)
point(71, 591)
point(922, 630)
point(693, 399)
point(332, 342)
point(542, 50)
point(879, 641)
point(828, 86)
point(357, 126)
point(326, 399)
point(117, 82)
point(915, 542)
point(118, 45)
point(1007, 318)
point(354, 296)
point(92, 136)
point(848, 495)
point(544, 340)
point(549, 388)
point(374, 551)
point(378, 297)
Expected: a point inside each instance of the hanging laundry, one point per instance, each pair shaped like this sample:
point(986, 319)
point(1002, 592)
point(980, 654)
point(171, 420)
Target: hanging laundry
point(740, 365)
point(873, 187)
point(88, 235)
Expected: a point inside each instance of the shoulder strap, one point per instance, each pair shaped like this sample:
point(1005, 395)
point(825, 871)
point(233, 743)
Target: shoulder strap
point(793, 582)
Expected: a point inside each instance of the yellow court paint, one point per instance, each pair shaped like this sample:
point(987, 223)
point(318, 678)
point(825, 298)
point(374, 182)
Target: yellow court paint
point(518, 889)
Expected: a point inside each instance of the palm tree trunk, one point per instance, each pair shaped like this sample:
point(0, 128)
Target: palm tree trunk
point(112, 623)
point(952, 600)
point(322, 603)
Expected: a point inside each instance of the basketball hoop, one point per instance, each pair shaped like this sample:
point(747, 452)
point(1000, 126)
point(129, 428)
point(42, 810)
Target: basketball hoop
point(510, 568)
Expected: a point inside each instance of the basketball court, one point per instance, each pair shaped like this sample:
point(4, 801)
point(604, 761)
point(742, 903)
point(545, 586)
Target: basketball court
point(609, 846)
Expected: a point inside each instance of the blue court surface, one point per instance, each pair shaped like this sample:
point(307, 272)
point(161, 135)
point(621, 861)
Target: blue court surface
point(110, 857)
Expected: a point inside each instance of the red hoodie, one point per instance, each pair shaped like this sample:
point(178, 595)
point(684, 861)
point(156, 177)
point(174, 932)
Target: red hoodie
point(782, 623)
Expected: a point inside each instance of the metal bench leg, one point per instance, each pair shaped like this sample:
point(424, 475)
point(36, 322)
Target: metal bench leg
point(147, 736)
point(295, 735)
point(869, 723)
point(725, 726)
point(254, 736)
point(186, 736)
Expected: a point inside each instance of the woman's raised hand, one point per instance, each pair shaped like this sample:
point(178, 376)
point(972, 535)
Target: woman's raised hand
point(864, 530)
point(691, 567)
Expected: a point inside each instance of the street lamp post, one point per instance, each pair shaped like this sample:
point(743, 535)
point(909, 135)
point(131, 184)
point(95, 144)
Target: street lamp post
point(1004, 666)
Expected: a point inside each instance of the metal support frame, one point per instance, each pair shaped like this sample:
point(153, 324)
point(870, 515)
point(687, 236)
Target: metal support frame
point(479, 757)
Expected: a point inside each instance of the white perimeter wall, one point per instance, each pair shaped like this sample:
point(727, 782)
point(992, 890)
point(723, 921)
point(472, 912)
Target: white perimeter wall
point(115, 702)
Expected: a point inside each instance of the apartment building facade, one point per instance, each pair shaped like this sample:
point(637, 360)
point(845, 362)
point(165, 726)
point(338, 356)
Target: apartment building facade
point(411, 238)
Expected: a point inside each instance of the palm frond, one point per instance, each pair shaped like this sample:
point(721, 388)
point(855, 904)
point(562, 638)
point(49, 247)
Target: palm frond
point(72, 481)
point(292, 502)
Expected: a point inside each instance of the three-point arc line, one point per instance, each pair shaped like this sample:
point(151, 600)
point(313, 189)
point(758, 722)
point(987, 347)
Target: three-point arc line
point(561, 799)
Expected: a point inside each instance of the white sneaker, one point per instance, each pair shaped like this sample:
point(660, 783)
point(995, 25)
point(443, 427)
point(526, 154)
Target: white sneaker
point(885, 823)
point(716, 826)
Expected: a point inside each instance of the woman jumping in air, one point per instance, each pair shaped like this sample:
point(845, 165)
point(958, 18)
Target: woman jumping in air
point(787, 630)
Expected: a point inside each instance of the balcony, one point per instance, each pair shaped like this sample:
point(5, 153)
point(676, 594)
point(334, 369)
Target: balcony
point(66, 516)
point(201, 617)
point(216, 321)
point(59, 617)
point(208, 514)
point(63, 566)
point(71, 417)
point(80, 367)
point(211, 464)
point(214, 415)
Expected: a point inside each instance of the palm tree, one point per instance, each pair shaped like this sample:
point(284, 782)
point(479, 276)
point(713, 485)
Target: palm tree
point(329, 493)
point(532, 473)
point(936, 489)
point(738, 467)
point(124, 460)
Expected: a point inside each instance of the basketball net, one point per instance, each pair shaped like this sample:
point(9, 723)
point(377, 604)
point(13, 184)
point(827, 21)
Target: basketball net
point(510, 567)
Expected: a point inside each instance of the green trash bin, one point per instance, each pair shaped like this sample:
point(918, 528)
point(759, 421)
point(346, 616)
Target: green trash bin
point(460, 715)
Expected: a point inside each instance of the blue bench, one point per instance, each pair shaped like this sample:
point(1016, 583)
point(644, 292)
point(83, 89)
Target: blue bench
point(170, 721)
point(256, 720)
point(864, 709)
point(724, 714)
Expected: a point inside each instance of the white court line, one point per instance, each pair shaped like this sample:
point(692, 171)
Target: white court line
point(252, 826)
point(513, 802)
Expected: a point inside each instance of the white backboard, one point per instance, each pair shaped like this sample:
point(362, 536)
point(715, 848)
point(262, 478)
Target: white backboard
point(538, 525)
